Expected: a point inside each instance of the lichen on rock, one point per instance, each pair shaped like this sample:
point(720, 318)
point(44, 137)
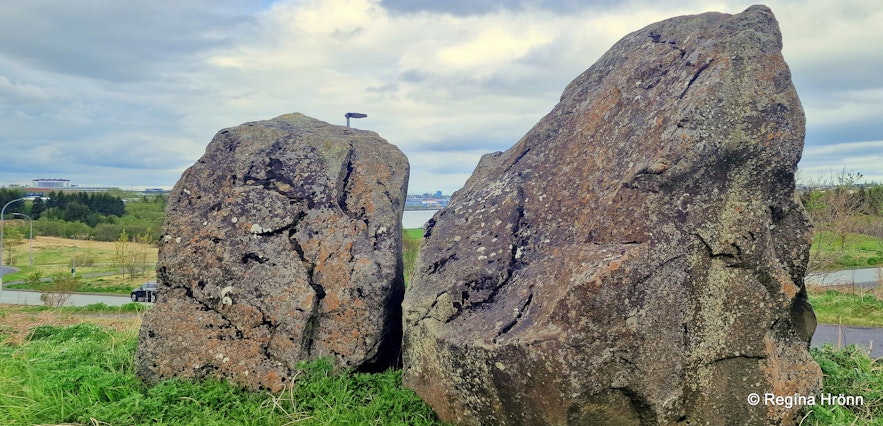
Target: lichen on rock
point(281, 244)
point(638, 256)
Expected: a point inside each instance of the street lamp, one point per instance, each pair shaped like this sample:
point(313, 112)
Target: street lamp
point(3, 212)
point(353, 115)
point(30, 238)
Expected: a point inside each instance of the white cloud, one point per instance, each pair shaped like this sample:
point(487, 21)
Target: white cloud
point(429, 82)
point(845, 148)
point(822, 163)
point(493, 47)
point(445, 85)
point(848, 106)
point(22, 92)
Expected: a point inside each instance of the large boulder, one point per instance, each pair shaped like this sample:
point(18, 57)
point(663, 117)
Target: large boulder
point(281, 244)
point(638, 256)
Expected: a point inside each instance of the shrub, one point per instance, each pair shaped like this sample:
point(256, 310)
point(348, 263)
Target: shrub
point(58, 291)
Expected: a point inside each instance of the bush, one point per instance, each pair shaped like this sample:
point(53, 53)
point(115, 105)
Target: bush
point(60, 228)
point(34, 279)
point(57, 292)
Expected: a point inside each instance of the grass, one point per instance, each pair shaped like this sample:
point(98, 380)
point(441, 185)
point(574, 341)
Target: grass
point(412, 239)
point(94, 264)
point(95, 308)
point(851, 372)
point(847, 251)
point(83, 373)
point(842, 306)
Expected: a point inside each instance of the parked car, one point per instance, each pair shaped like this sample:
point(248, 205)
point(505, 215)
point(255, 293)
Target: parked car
point(145, 293)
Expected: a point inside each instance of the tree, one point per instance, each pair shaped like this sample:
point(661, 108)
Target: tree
point(76, 211)
point(144, 240)
point(7, 195)
point(37, 208)
point(126, 256)
point(104, 204)
point(834, 206)
point(12, 238)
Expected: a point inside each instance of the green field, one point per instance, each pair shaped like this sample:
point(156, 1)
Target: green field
point(845, 308)
point(97, 264)
point(846, 251)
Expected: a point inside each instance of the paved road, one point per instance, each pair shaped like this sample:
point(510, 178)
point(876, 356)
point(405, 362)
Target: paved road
point(25, 297)
point(867, 337)
point(864, 278)
point(7, 270)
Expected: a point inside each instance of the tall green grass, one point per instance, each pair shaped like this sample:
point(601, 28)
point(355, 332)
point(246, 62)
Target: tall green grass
point(84, 374)
point(95, 308)
point(834, 307)
point(411, 241)
point(850, 372)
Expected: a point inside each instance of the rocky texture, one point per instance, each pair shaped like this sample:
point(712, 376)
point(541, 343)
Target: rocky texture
point(281, 244)
point(638, 257)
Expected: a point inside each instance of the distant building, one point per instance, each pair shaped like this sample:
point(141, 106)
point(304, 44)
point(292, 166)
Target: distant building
point(51, 183)
point(426, 201)
point(44, 186)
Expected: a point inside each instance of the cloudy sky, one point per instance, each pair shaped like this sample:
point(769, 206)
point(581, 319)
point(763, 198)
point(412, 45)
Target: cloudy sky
point(128, 94)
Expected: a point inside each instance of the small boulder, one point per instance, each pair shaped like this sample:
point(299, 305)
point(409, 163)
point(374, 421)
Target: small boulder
point(638, 256)
point(281, 244)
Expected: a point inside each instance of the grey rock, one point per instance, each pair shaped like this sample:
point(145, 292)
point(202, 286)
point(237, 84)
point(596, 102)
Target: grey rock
point(281, 244)
point(638, 256)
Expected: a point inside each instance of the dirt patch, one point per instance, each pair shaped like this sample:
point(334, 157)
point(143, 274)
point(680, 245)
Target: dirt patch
point(17, 322)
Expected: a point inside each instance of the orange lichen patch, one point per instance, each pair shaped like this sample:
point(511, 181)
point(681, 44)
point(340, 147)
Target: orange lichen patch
point(787, 377)
point(272, 381)
point(789, 289)
point(331, 302)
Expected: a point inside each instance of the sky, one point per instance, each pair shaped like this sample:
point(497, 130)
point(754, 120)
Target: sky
point(128, 94)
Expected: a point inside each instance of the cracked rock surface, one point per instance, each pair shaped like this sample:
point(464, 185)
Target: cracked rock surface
point(638, 256)
point(281, 244)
